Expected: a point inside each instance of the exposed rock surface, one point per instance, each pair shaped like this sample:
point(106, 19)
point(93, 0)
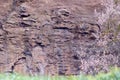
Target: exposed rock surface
point(59, 36)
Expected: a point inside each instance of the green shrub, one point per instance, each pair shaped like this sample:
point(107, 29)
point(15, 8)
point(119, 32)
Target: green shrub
point(114, 74)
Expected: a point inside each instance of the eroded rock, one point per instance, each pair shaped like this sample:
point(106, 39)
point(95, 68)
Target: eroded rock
point(52, 37)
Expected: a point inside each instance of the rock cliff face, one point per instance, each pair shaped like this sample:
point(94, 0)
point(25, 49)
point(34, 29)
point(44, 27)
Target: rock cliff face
point(59, 36)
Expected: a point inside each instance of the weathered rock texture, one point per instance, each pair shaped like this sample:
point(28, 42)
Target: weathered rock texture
point(59, 36)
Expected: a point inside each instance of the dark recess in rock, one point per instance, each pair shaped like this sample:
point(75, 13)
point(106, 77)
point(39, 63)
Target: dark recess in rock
point(76, 57)
point(27, 53)
point(65, 13)
point(0, 25)
point(92, 38)
point(64, 28)
point(23, 15)
point(23, 24)
point(40, 44)
point(61, 73)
